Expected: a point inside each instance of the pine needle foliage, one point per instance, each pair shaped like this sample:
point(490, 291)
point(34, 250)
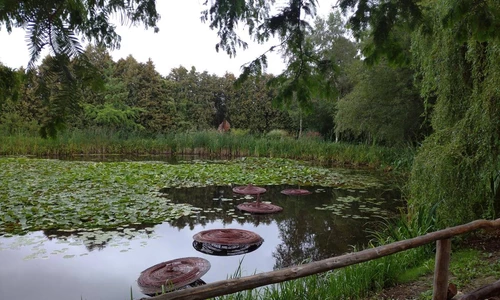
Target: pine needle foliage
point(58, 24)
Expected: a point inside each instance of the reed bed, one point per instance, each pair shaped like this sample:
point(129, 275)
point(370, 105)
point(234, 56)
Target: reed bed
point(206, 143)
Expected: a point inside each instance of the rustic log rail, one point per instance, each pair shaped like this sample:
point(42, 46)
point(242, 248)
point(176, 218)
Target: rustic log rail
point(484, 292)
point(442, 237)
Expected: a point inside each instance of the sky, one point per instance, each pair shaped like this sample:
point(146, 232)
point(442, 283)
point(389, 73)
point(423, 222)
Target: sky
point(182, 40)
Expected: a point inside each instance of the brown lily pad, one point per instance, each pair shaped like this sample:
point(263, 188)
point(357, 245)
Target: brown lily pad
point(257, 207)
point(172, 274)
point(249, 190)
point(296, 192)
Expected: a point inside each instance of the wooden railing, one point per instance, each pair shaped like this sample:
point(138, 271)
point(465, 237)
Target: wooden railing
point(440, 289)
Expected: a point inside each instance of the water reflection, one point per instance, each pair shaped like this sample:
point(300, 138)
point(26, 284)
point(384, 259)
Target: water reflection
point(305, 231)
point(104, 264)
point(225, 250)
point(98, 239)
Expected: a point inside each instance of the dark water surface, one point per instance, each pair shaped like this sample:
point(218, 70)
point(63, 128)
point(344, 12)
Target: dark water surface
point(105, 264)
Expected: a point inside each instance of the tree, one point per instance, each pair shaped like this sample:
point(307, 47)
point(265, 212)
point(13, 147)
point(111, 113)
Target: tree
point(9, 84)
point(58, 26)
point(336, 53)
point(252, 107)
point(455, 50)
point(457, 168)
point(384, 105)
point(60, 83)
point(19, 110)
point(193, 94)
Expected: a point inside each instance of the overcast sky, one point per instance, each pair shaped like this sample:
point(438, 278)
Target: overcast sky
point(183, 40)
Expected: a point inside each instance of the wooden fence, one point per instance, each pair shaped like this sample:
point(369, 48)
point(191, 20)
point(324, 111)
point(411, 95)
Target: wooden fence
point(440, 289)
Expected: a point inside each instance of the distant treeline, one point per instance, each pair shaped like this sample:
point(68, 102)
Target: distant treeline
point(369, 105)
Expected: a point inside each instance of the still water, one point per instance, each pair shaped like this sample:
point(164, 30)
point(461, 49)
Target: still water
point(104, 264)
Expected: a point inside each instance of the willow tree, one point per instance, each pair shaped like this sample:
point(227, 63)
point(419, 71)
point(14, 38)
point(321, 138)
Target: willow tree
point(456, 52)
point(457, 55)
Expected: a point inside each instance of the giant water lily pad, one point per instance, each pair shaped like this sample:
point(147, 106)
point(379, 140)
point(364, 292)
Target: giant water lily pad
point(249, 190)
point(227, 236)
point(172, 274)
point(226, 241)
point(295, 192)
point(259, 207)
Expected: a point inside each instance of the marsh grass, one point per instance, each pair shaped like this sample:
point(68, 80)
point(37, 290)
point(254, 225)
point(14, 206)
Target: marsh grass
point(206, 143)
point(352, 282)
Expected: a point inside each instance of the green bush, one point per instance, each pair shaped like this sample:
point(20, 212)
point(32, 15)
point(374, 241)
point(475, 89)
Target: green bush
point(239, 132)
point(277, 134)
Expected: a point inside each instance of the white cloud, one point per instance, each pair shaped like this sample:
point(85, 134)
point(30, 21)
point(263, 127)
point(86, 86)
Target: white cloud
point(183, 40)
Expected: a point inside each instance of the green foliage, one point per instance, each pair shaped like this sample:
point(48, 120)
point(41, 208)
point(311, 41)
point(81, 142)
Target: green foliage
point(277, 133)
point(381, 23)
point(59, 85)
point(384, 106)
point(352, 282)
point(58, 25)
point(303, 78)
point(312, 136)
point(12, 123)
point(251, 107)
point(114, 116)
point(414, 273)
point(10, 82)
point(78, 195)
point(457, 167)
point(469, 264)
point(455, 51)
point(239, 132)
point(473, 19)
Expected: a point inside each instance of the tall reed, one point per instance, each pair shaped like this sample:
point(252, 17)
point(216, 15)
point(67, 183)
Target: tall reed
point(209, 143)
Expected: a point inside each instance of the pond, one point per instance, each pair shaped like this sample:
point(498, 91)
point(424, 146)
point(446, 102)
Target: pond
point(104, 263)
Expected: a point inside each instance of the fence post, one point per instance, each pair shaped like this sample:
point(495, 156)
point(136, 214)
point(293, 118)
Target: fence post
point(443, 250)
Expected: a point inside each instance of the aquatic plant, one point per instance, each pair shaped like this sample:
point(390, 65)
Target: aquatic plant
point(43, 194)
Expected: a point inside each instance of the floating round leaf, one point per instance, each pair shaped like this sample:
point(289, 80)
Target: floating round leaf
point(227, 236)
point(259, 207)
point(295, 192)
point(249, 190)
point(226, 242)
point(172, 274)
